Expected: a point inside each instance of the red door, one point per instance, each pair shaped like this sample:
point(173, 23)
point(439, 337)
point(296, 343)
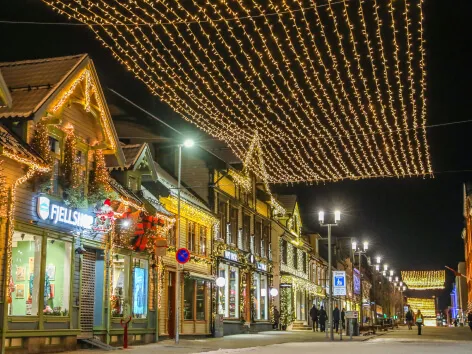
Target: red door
point(171, 305)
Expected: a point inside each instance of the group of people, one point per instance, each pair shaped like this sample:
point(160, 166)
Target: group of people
point(417, 319)
point(319, 316)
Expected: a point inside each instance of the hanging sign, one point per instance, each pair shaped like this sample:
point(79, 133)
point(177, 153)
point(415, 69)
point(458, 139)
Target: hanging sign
point(339, 283)
point(182, 255)
point(51, 211)
point(232, 256)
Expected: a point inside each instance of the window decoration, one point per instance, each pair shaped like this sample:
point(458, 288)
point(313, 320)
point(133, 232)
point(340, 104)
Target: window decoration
point(241, 180)
point(348, 117)
point(41, 144)
point(99, 187)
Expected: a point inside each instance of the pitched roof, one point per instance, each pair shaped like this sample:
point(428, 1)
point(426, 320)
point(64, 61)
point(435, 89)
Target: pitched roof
point(5, 97)
point(133, 154)
point(14, 147)
point(288, 202)
point(31, 82)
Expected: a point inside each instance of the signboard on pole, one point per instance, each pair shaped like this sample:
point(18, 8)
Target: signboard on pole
point(352, 314)
point(339, 283)
point(182, 255)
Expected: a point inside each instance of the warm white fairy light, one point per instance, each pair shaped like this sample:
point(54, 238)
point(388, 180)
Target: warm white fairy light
point(236, 72)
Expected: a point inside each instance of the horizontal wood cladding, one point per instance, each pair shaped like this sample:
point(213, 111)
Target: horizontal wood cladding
point(86, 126)
point(262, 208)
point(227, 186)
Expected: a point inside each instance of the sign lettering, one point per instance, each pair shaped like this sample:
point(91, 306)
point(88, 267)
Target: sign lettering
point(231, 256)
point(57, 214)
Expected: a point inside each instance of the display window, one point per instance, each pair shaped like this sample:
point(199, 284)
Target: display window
point(194, 299)
point(228, 295)
point(57, 277)
point(119, 298)
point(140, 287)
point(23, 285)
point(260, 297)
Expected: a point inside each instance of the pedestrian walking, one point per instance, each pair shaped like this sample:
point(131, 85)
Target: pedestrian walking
point(276, 318)
point(314, 316)
point(409, 318)
point(322, 319)
point(419, 321)
point(343, 318)
point(469, 319)
point(336, 318)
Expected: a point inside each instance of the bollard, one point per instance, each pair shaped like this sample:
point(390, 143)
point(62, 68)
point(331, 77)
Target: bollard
point(125, 334)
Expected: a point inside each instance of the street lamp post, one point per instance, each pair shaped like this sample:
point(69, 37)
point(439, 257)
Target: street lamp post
point(337, 217)
point(188, 144)
point(360, 252)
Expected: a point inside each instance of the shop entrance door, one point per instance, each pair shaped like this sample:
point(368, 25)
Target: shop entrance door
point(171, 305)
point(87, 293)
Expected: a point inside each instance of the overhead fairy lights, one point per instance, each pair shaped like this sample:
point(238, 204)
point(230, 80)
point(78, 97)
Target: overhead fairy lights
point(321, 84)
point(424, 280)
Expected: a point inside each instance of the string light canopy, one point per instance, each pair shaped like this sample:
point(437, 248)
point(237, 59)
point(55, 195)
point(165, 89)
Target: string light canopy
point(332, 89)
point(424, 280)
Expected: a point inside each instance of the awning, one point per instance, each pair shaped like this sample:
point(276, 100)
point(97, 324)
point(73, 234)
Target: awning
point(201, 276)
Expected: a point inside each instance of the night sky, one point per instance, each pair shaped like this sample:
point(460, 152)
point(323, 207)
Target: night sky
point(414, 223)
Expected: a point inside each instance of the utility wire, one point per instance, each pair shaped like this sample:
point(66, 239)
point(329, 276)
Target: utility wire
point(12, 22)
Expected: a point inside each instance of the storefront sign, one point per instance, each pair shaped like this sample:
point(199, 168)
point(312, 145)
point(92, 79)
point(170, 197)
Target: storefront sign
point(232, 256)
point(352, 314)
point(339, 283)
point(57, 214)
point(261, 266)
point(285, 285)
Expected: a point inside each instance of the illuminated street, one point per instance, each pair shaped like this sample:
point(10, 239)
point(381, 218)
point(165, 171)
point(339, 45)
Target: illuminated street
point(433, 340)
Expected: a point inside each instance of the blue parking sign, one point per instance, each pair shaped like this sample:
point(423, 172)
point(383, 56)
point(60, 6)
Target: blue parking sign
point(339, 283)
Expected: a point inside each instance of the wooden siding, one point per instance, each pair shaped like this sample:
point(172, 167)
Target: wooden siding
point(227, 186)
point(86, 126)
point(262, 208)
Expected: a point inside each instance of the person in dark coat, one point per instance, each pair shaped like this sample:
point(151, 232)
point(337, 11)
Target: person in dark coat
point(469, 319)
point(276, 318)
point(322, 319)
point(314, 317)
point(336, 318)
point(409, 317)
point(343, 318)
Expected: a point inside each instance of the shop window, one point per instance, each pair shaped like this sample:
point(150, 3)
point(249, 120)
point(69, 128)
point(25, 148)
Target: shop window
point(191, 236)
point(259, 296)
point(194, 299)
point(203, 240)
point(140, 287)
point(189, 297)
point(228, 296)
point(23, 285)
point(119, 298)
point(57, 277)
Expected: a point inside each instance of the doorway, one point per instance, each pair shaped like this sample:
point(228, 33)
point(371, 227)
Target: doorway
point(171, 304)
point(87, 293)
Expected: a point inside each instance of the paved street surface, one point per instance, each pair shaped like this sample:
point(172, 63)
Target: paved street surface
point(434, 340)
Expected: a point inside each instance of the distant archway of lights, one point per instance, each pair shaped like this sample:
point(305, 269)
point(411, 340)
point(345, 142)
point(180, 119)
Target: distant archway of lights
point(325, 90)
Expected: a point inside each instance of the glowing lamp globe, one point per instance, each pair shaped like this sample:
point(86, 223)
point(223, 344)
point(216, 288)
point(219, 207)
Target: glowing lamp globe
point(220, 282)
point(274, 292)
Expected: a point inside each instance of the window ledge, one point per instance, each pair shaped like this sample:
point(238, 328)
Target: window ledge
point(23, 318)
point(56, 318)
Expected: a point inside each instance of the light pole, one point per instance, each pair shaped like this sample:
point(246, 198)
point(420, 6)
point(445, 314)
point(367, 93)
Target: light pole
point(376, 267)
point(188, 144)
point(360, 252)
point(337, 218)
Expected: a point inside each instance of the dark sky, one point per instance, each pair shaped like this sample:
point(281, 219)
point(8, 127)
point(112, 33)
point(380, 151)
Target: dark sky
point(415, 223)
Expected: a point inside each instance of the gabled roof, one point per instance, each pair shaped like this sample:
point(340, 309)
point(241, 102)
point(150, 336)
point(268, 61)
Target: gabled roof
point(32, 82)
point(42, 86)
point(288, 201)
point(125, 192)
point(134, 156)
point(16, 149)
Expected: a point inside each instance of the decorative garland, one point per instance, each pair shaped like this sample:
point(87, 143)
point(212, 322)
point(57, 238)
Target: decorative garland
point(99, 185)
point(3, 192)
point(40, 143)
point(241, 180)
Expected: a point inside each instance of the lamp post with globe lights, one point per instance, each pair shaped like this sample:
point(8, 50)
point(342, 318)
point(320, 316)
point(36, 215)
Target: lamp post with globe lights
point(360, 251)
point(321, 219)
point(188, 143)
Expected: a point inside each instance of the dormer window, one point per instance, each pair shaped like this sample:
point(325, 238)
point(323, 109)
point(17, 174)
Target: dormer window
point(133, 183)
